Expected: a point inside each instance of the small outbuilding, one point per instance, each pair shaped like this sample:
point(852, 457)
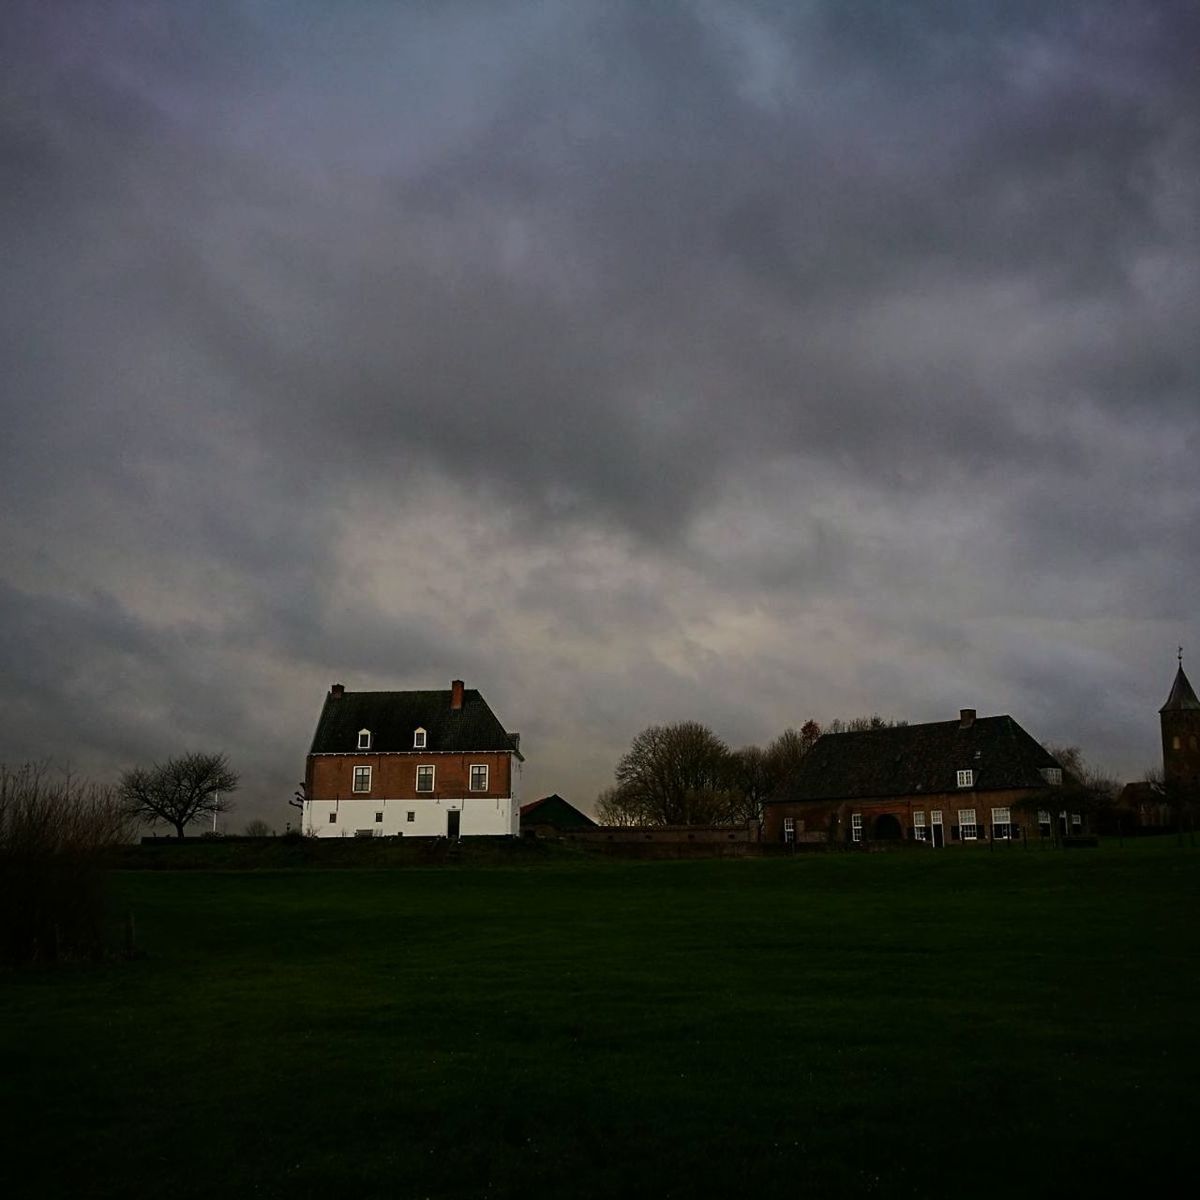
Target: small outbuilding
point(552, 815)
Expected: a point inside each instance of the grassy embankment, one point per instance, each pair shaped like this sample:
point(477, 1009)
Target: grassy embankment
point(957, 1024)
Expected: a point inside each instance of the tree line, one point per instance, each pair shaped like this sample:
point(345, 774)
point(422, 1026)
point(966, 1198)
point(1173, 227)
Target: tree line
point(684, 774)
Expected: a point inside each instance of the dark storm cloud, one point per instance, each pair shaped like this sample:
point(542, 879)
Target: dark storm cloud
point(700, 337)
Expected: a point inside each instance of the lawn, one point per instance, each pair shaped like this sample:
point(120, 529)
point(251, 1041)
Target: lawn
point(898, 1024)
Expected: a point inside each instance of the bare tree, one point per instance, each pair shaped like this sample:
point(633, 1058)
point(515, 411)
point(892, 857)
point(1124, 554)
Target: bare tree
point(785, 754)
point(1085, 789)
point(750, 782)
point(615, 806)
point(862, 724)
point(180, 790)
point(258, 828)
point(676, 775)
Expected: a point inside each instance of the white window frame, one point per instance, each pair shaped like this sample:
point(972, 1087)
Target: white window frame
point(378, 817)
point(789, 829)
point(1053, 776)
point(919, 831)
point(409, 817)
point(364, 739)
point(1076, 823)
point(356, 775)
point(966, 779)
point(426, 791)
point(420, 738)
point(471, 777)
point(964, 825)
point(1002, 826)
point(1044, 822)
point(333, 818)
point(856, 827)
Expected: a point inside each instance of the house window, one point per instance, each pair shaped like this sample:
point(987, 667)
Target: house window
point(479, 777)
point(967, 829)
point(1052, 775)
point(1002, 824)
point(919, 826)
point(418, 739)
point(362, 779)
point(856, 827)
point(333, 818)
point(1043, 823)
point(1175, 743)
point(424, 779)
point(1076, 823)
point(789, 829)
point(364, 833)
point(966, 779)
point(410, 816)
point(379, 818)
point(364, 739)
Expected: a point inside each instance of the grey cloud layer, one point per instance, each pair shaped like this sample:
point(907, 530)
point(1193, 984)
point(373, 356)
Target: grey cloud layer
point(635, 314)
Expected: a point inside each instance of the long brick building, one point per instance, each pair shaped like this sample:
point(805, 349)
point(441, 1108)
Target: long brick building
point(947, 782)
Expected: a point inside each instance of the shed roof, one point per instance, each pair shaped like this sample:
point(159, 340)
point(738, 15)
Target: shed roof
point(554, 810)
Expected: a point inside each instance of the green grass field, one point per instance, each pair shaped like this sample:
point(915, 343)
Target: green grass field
point(897, 1024)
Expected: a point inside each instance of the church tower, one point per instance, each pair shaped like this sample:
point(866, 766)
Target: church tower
point(1180, 718)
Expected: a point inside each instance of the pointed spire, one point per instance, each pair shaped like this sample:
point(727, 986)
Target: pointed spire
point(1182, 696)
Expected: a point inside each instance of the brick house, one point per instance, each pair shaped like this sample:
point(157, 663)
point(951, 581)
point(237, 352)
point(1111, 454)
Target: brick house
point(947, 782)
point(420, 764)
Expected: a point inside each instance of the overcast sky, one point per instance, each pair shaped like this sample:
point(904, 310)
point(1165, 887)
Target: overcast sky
point(741, 362)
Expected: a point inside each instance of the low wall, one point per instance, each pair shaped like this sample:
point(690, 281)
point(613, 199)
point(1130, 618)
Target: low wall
point(664, 834)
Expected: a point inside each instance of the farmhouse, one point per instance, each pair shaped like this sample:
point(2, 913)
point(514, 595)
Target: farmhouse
point(946, 782)
point(416, 764)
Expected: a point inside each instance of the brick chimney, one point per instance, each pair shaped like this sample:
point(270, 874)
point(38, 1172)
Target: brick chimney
point(456, 693)
point(966, 718)
point(337, 691)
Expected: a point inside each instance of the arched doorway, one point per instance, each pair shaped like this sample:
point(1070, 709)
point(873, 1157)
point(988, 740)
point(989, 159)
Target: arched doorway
point(886, 828)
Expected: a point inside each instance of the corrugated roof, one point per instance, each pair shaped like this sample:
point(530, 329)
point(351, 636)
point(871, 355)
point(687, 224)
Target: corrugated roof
point(393, 718)
point(914, 759)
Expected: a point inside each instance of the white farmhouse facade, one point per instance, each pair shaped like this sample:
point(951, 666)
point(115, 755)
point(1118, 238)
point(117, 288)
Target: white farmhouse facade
point(412, 764)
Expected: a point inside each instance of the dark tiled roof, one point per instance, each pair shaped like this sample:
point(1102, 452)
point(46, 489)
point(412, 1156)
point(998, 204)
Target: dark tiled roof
point(554, 810)
point(1181, 695)
point(914, 759)
point(392, 718)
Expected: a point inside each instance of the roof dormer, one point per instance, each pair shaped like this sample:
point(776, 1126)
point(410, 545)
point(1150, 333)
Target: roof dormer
point(364, 739)
point(419, 739)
